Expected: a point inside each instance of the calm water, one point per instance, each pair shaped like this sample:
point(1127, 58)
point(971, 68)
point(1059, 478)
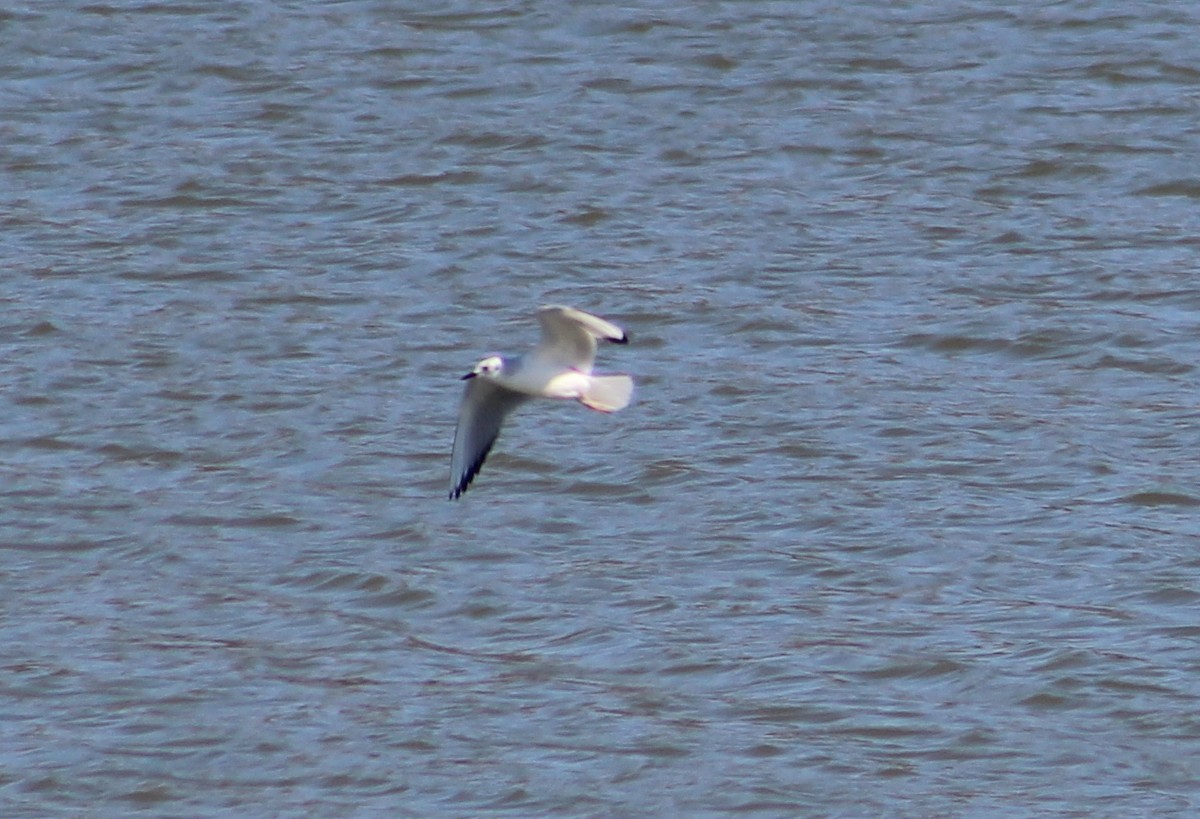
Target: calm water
point(904, 520)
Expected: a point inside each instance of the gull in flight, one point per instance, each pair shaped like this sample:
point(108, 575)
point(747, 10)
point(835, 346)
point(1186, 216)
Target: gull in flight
point(560, 366)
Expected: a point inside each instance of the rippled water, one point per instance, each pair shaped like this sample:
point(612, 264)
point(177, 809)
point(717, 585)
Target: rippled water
point(903, 521)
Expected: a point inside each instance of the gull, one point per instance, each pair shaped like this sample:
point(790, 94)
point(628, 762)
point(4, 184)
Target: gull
point(560, 366)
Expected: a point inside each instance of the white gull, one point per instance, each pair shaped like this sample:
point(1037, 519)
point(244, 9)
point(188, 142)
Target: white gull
point(560, 366)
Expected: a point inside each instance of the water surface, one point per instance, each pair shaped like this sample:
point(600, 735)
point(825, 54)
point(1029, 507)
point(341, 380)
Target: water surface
point(904, 518)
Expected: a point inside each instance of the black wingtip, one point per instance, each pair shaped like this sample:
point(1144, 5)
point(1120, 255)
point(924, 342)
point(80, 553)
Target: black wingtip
point(473, 470)
point(457, 492)
point(624, 339)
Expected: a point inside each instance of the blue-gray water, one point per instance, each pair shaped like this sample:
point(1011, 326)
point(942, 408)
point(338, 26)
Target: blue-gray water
point(904, 520)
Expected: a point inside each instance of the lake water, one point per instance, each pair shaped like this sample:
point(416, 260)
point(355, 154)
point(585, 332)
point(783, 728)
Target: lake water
point(904, 518)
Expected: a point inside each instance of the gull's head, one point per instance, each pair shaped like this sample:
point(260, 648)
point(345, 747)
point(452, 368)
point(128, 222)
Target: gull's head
point(489, 367)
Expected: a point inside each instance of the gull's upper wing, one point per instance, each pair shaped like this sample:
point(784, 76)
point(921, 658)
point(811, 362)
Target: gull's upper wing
point(484, 407)
point(569, 336)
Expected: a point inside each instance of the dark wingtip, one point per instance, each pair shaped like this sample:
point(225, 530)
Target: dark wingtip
point(469, 476)
point(457, 492)
point(624, 339)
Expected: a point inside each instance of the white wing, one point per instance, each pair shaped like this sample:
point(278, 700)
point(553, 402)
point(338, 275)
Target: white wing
point(484, 407)
point(569, 337)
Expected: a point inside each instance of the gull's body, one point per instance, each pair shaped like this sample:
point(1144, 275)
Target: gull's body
point(559, 367)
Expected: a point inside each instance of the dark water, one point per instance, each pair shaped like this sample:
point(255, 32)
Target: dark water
point(905, 518)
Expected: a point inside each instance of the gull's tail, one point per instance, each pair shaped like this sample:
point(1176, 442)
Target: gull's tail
point(608, 393)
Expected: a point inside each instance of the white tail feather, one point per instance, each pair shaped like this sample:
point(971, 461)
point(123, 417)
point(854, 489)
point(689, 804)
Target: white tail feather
point(608, 393)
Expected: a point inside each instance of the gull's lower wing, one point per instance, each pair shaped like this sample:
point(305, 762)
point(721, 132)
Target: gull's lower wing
point(484, 407)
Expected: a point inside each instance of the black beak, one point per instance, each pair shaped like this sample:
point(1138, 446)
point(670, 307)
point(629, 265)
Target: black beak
point(468, 375)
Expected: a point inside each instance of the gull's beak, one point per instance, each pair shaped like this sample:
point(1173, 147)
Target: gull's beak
point(468, 375)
